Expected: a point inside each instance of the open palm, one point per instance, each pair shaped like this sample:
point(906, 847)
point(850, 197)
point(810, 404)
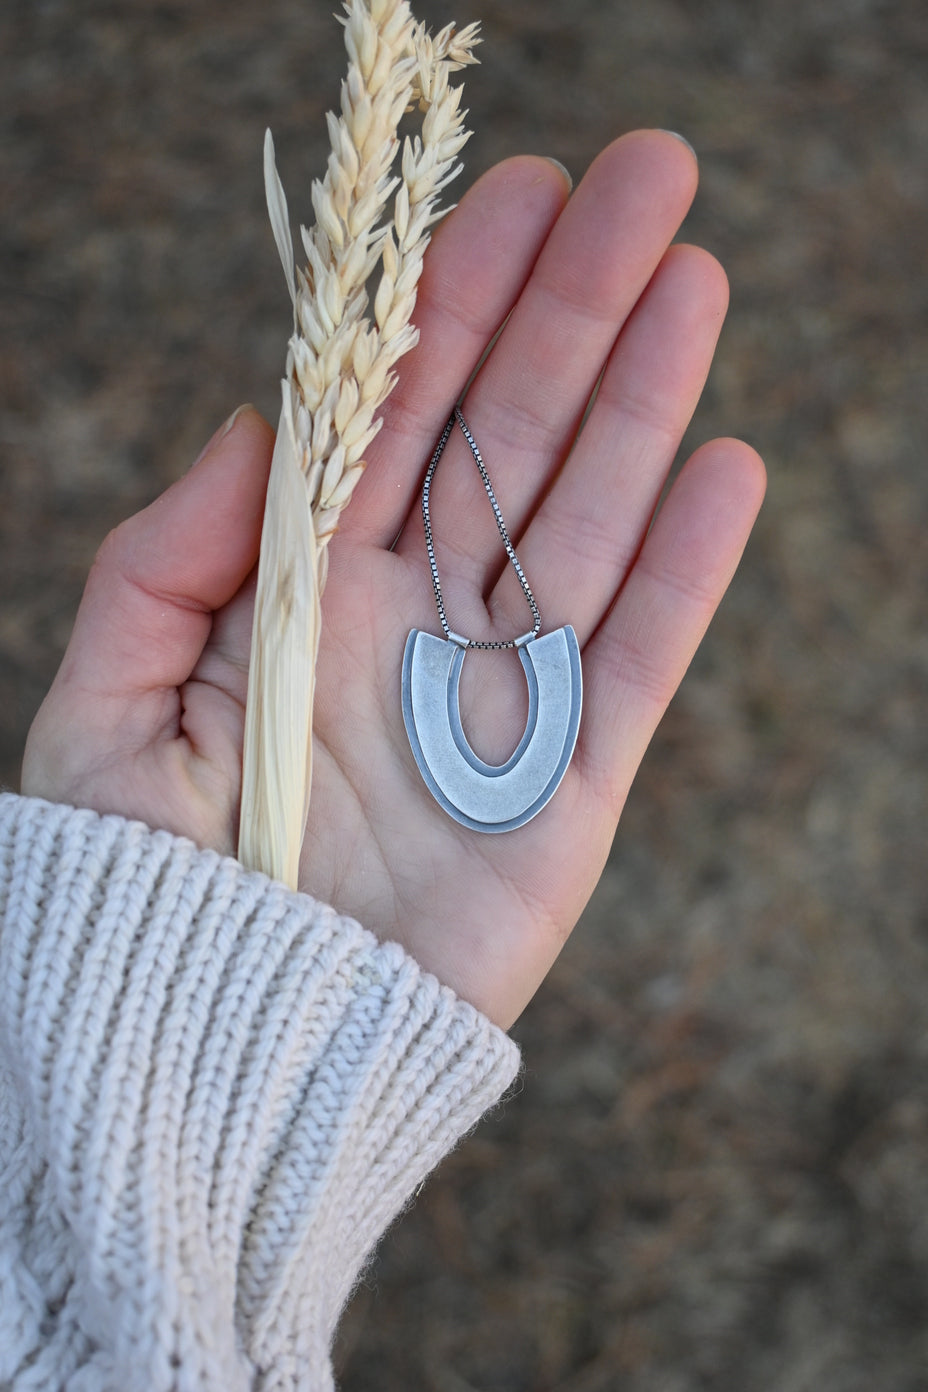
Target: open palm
point(145, 717)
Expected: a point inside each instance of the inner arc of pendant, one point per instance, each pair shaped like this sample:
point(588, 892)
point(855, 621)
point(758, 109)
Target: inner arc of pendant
point(456, 725)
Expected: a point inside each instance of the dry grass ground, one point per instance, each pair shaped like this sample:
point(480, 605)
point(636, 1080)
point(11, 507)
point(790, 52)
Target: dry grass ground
point(715, 1176)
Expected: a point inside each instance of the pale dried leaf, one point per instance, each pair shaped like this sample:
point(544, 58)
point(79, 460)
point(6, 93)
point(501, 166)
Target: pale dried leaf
point(285, 637)
point(278, 213)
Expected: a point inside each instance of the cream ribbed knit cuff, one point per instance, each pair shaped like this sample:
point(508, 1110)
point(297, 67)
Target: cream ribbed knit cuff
point(214, 1096)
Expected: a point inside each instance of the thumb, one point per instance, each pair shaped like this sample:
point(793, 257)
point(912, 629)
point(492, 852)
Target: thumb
point(148, 609)
point(157, 579)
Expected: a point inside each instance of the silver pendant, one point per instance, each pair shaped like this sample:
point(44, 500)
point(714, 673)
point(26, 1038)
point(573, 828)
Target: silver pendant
point(488, 797)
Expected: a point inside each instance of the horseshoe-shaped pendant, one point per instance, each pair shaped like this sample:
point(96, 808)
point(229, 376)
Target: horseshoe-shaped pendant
point(488, 797)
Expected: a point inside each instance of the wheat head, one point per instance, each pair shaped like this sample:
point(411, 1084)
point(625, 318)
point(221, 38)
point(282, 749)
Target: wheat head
point(372, 224)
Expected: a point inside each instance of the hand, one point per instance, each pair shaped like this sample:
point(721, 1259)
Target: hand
point(145, 717)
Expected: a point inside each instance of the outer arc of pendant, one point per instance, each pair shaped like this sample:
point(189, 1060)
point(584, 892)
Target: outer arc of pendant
point(485, 797)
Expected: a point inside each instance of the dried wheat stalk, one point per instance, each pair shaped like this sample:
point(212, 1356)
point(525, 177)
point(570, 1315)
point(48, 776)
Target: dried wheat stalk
point(370, 222)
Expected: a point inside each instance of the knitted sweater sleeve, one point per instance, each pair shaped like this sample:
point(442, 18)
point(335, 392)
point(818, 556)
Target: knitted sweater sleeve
point(214, 1096)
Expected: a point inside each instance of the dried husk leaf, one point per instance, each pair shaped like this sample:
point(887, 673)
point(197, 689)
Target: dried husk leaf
point(276, 201)
point(277, 768)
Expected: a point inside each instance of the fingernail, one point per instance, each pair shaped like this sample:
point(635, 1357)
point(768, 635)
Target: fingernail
point(566, 172)
point(683, 141)
point(221, 433)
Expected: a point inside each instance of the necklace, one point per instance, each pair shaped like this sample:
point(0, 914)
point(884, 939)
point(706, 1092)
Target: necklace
point(489, 797)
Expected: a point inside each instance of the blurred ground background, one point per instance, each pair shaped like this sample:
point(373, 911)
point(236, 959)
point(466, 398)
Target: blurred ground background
point(715, 1175)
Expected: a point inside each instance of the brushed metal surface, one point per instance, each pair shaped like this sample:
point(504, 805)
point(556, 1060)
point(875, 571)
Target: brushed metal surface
point(492, 797)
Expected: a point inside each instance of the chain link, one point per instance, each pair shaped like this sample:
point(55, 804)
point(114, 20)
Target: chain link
point(510, 551)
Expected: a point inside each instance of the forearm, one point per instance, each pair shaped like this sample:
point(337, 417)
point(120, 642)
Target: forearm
point(216, 1096)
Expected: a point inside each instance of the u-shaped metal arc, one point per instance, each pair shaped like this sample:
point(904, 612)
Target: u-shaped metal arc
point(479, 795)
point(457, 726)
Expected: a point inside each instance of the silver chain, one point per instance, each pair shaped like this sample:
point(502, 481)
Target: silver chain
point(510, 551)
